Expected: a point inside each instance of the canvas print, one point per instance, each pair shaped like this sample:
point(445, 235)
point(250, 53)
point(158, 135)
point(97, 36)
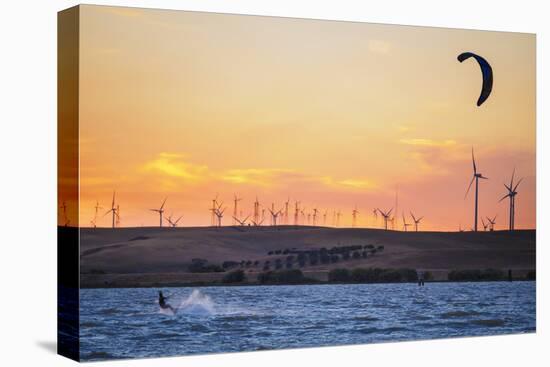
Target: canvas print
point(234, 183)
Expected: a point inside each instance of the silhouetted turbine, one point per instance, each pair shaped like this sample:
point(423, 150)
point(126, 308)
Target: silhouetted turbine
point(512, 192)
point(475, 177)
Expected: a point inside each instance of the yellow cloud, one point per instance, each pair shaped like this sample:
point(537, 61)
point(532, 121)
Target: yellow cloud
point(428, 142)
point(254, 176)
point(350, 183)
point(173, 165)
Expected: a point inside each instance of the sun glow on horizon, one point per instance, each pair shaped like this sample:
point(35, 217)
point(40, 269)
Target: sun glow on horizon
point(335, 115)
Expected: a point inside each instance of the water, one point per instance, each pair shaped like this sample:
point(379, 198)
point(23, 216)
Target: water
point(128, 323)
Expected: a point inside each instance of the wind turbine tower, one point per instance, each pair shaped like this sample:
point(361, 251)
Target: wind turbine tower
point(160, 211)
point(117, 215)
point(386, 216)
point(213, 210)
point(354, 217)
point(476, 176)
point(285, 214)
point(315, 211)
point(416, 221)
point(235, 211)
point(512, 192)
point(296, 212)
point(256, 211)
point(492, 222)
point(405, 224)
point(219, 214)
point(112, 211)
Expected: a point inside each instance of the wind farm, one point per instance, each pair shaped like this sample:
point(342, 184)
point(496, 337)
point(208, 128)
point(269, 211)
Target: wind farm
point(260, 175)
point(294, 225)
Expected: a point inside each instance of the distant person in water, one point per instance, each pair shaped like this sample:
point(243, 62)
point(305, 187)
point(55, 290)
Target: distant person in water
point(420, 278)
point(163, 304)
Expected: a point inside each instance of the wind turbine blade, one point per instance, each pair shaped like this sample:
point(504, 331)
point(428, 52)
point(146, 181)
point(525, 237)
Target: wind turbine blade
point(164, 202)
point(474, 161)
point(521, 179)
point(419, 219)
point(512, 179)
point(412, 215)
point(483, 177)
point(469, 187)
point(390, 211)
point(504, 197)
point(509, 188)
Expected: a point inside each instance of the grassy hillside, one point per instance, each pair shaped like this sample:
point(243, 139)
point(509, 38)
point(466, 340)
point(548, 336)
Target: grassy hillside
point(171, 250)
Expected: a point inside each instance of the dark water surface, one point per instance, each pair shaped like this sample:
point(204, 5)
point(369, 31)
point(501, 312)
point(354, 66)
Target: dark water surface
point(127, 323)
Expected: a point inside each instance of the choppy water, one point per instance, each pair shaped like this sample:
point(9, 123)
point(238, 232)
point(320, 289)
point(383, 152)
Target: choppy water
point(127, 323)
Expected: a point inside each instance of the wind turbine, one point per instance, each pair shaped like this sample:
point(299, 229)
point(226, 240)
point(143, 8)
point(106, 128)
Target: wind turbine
point(256, 218)
point(112, 210)
point(213, 210)
point(475, 177)
point(354, 217)
point(492, 223)
point(285, 214)
point(405, 224)
point(325, 218)
point(296, 212)
point(315, 211)
point(173, 223)
point(416, 221)
point(303, 212)
point(274, 214)
point(243, 221)
point(160, 211)
point(485, 225)
point(219, 214)
point(512, 192)
point(386, 216)
point(235, 202)
point(375, 213)
point(97, 208)
point(338, 215)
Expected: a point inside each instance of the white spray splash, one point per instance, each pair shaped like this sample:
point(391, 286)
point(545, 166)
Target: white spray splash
point(200, 304)
point(197, 303)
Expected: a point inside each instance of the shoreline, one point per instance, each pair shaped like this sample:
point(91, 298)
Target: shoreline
point(108, 281)
point(202, 285)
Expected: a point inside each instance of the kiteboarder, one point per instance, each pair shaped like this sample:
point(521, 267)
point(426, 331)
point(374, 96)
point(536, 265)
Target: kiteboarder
point(163, 304)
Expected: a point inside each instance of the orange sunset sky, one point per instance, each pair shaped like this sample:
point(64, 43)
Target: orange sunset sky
point(185, 105)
